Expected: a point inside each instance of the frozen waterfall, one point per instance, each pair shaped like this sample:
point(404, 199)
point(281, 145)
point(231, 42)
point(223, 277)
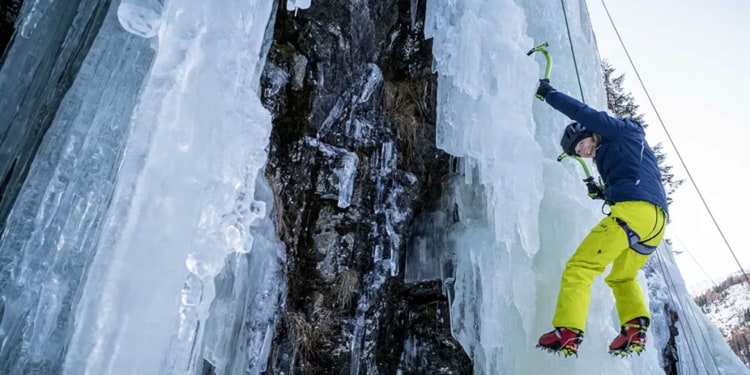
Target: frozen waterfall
point(141, 241)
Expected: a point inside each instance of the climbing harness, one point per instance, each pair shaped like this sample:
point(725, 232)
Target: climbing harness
point(634, 240)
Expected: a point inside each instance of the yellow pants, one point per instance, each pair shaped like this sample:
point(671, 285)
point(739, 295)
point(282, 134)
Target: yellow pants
point(607, 243)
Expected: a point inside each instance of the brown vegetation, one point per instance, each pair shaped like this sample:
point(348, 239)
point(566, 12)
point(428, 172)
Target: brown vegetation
point(406, 108)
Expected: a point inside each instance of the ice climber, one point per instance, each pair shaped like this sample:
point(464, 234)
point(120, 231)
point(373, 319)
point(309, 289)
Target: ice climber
point(626, 237)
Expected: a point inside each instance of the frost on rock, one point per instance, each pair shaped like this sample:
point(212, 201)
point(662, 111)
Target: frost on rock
point(353, 112)
point(338, 171)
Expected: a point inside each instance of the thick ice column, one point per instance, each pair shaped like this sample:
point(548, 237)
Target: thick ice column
point(52, 231)
point(185, 197)
point(484, 116)
point(39, 65)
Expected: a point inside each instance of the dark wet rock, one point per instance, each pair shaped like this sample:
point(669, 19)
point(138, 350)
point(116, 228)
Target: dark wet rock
point(9, 10)
point(416, 333)
point(352, 162)
point(669, 353)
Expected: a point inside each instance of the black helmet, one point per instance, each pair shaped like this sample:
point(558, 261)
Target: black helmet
point(571, 136)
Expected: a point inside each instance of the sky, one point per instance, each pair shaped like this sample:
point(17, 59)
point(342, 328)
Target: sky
point(691, 56)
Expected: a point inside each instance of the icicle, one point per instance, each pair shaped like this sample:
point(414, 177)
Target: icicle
point(373, 80)
point(413, 12)
point(141, 17)
point(346, 175)
point(347, 163)
point(293, 5)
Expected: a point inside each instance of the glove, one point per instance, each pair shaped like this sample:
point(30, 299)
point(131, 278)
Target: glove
point(543, 89)
point(595, 192)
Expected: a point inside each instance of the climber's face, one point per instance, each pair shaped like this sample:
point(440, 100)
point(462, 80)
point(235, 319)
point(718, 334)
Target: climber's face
point(586, 148)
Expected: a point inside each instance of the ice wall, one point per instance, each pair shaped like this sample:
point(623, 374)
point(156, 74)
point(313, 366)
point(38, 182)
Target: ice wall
point(701, 348)
point(141, 241)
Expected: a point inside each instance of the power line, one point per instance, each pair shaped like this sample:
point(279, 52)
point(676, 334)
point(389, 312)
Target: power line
point(679, 156)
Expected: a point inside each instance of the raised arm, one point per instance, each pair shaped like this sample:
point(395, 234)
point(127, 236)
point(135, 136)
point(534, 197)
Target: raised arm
point(599, 122)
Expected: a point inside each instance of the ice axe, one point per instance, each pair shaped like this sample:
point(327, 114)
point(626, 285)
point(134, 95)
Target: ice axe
point(547, 72)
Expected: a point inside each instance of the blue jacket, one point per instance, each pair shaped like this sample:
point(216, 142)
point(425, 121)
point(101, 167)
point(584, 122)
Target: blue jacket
point(624, 159)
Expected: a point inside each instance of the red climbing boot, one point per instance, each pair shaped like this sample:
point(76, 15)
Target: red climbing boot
point(561, 340)
point(632, 338)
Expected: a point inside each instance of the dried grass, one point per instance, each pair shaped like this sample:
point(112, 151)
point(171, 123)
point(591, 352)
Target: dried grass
point(406, 108)
point(278, 206)
point(302, 333)
point(346, 286)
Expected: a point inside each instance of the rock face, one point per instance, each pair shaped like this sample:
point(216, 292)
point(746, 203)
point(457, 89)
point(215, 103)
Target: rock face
point(9, 10)
point(352, 162)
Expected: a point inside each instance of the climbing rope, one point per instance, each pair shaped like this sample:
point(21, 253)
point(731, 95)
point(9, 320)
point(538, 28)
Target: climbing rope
point(572, 50)
point(679, 156)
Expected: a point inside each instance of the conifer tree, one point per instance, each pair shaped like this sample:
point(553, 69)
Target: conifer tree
point(622, 105)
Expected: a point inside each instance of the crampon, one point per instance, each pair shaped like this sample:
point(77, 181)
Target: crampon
point(563, 341)
point(632, 338)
